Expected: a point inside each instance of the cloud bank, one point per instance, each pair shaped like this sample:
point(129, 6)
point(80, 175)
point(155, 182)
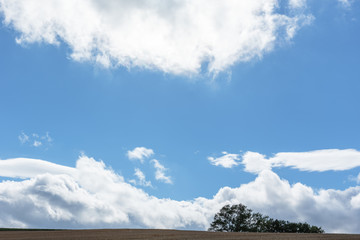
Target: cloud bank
point(93, 196)
point(178, 37)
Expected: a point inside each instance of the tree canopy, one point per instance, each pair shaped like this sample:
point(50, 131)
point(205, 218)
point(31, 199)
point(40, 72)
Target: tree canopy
point(238, 218)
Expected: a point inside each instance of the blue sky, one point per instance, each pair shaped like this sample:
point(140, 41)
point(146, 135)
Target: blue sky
point(257, 108)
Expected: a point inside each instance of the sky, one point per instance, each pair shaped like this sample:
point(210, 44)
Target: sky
point(145, 114)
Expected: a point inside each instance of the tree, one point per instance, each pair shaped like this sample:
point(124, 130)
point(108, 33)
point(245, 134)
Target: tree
point(238, 218)
point(258, 223)
point(235, 218)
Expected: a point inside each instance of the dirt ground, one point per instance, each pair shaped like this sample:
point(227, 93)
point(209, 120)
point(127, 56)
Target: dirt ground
point(133, 234)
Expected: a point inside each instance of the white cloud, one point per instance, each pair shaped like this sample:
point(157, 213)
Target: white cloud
point(47, 137)
point(228, 160)
point(160, 172)
point(35, 140)
point(140, 153)
point(345, 3)
point(255, 162)
point(23, 138)
point(62, 197)
point(296, 4)
point(174, 37)
point(29, 168)
point(37, 143)
point(319, 160)
point(334, 210)
point(141, 179)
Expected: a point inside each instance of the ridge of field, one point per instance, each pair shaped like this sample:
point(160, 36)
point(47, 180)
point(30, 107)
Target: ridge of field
point(137, 234)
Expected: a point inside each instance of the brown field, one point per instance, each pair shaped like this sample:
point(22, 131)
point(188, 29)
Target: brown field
point(133, 234)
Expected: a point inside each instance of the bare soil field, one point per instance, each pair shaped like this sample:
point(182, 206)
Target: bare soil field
point(134, 234)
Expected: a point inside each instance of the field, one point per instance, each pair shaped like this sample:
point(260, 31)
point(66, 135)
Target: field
point(134, 234)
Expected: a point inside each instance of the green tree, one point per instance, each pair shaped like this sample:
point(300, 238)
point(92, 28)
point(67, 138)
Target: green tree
point(258, 223)
point(235, 218)
point(238, 218)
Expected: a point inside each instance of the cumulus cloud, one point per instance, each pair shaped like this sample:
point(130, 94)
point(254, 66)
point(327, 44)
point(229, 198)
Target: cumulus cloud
point(319, 160)
point(68, 200)
point(178, 37)
point(140, 153)
point(274, 196)
point(141, 179)
point(65, 197)
point(228, 160)
point(160, 172)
